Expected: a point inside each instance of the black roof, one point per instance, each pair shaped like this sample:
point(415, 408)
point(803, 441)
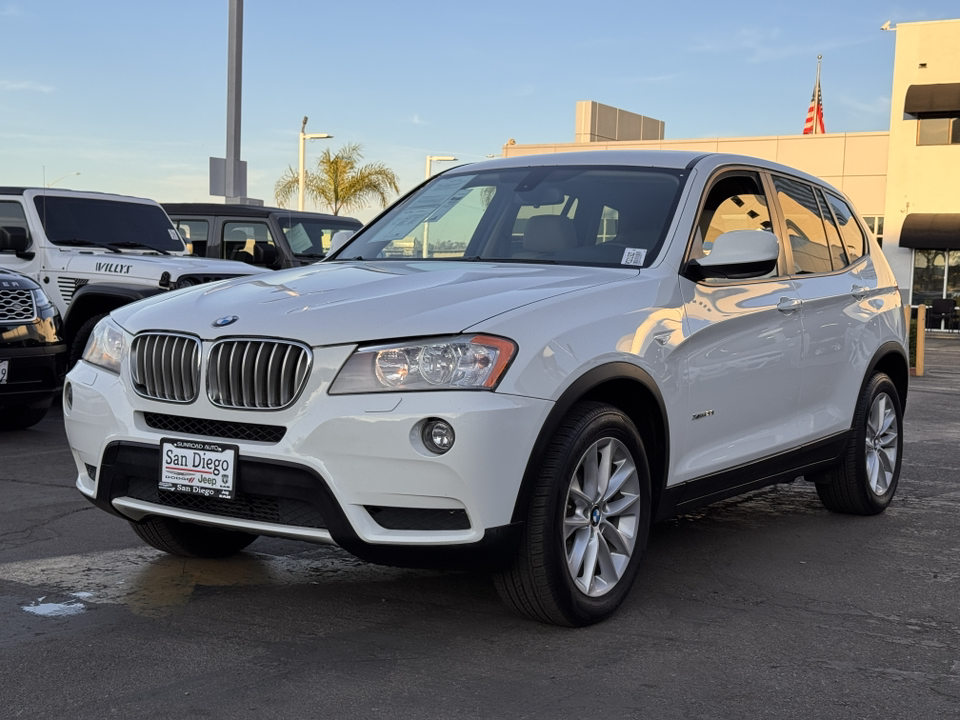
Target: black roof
point(250, 211)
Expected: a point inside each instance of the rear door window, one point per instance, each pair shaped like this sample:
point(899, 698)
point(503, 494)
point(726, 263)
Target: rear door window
point(249, 242)
point(805, 230)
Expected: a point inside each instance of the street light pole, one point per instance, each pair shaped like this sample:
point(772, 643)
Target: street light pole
point(437, 158)
point(303, 138)
point(426, 226)
point(51, 184)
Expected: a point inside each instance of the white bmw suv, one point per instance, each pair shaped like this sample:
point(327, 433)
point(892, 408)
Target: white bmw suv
point(520, 365)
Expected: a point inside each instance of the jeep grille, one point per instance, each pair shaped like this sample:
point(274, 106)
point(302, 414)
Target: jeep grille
point(16, 305)
point(257, 374)
point(166, 367)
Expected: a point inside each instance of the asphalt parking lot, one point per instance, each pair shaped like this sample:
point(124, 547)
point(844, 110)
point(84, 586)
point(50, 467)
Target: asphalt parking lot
point(762, 606)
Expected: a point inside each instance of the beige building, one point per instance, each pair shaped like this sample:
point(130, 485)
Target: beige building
point(905, 183)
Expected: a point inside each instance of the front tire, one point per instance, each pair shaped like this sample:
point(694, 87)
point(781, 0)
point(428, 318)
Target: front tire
point(587, 523)
point(865, 480)
point(79, 343)
point(189, 540)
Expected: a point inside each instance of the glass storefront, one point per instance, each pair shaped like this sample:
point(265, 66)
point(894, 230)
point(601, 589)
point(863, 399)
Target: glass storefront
point(936, 274)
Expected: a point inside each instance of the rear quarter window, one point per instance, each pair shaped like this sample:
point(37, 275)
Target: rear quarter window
point(850, 231)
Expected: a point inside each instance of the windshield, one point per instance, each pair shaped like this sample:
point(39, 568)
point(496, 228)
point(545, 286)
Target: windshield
point(312, 236)
point(110, 223)
point(579, 215)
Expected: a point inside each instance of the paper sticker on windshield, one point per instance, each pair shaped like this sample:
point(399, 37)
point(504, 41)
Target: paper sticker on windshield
point(425, 205)
point(174, 235)
point(634, 256)
point(299, 239)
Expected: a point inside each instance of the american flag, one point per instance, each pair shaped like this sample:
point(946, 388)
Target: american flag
point(814, 124)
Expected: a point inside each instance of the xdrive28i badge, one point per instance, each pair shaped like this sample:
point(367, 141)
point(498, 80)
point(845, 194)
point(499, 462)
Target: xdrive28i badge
point(225, 320)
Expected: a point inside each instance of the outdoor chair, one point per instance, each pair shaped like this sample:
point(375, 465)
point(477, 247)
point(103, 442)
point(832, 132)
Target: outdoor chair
point(944, 310)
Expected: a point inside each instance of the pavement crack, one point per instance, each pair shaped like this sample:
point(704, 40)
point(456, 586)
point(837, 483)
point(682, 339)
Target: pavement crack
point(42, 484)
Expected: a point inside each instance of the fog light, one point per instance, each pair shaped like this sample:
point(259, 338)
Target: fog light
point(68, 395)
point(437, 436)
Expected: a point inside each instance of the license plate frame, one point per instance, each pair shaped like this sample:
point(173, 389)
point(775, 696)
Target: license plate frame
point(198, 467)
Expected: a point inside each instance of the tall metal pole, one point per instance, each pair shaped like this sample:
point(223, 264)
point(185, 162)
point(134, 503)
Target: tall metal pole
point(818, 107)
point(303, 180)
point(234, 81)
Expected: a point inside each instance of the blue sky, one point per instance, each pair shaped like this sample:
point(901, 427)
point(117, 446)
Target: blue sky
point(132, 94)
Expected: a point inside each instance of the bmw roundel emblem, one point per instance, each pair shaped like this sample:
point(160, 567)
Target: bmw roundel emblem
point(595, 516)
point(226, 320)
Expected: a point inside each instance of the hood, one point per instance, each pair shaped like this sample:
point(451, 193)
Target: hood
point(351, 302)
point(12, 280)
point(134, 266)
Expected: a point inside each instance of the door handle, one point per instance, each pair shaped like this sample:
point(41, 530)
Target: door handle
point(789, 305)
point(859, 291)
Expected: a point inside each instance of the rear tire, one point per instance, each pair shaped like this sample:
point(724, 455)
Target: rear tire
point(587, 522)
point(189, 540)
point(865, 479)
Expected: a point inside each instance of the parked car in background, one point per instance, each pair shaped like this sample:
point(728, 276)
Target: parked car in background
point(32, 352)
point(93, 252)
point(524, 362)
point(268, 237)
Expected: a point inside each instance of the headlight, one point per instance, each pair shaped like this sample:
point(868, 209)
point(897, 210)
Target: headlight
point(465, 362)
point(106, 346)
point(186, 282)
point(41, 300)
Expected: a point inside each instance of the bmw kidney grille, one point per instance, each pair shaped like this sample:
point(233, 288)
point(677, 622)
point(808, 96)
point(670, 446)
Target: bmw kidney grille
point(243, 374)
point(166, 367)
point(257, 374)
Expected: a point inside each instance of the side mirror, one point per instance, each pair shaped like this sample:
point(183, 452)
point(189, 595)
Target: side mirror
point(340, 238)
point(739, 254)
point(14, 238)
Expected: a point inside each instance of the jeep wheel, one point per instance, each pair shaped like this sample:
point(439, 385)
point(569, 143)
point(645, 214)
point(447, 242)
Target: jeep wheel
point(79, 343)
point(189, 540)
point(864, 481)
point(587, 522)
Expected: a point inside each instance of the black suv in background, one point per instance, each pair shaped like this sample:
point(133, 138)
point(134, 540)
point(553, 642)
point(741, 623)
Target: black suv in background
point(32, 352)
point(270, 237)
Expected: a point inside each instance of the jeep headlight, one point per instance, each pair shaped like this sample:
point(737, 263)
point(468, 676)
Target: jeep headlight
point(464, 362)
point(106, 346)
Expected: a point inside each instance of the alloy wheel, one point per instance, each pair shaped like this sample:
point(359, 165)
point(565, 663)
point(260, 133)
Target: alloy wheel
point(601, 517)
point(882, 444)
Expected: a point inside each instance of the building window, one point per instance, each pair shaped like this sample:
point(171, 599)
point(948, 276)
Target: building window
point(875, 223)
point(938, 130)
point(936, 274)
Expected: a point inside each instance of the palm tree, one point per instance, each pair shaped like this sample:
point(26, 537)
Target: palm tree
point(340, 182)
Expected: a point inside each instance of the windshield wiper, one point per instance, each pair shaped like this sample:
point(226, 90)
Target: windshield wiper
point(132, 244)
point(80, 242)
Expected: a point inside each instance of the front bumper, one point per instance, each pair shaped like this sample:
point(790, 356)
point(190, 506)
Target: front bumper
point(34, 374)
point(345, 469)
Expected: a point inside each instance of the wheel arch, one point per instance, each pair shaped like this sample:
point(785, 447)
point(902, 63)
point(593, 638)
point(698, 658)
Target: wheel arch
point(91, 300)
point(891, 359)
point(631, 390)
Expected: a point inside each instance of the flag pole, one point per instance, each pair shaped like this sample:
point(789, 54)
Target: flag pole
point(817, 110)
